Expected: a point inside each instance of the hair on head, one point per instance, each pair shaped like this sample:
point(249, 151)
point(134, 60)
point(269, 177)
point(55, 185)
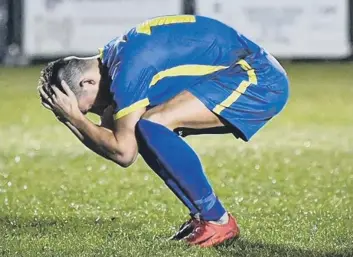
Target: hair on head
point(69, 69)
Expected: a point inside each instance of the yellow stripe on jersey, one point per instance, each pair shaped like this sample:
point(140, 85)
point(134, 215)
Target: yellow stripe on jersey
point(135, 106)
point(182, 70)
point(240, 89)
point(101, 52)
point(186, 70)
point(145, 28)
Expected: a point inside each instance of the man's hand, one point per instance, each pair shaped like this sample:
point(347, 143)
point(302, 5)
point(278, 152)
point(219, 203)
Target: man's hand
point(48, 103)
point(66, 105)
point(46, 100)
point(113, 140)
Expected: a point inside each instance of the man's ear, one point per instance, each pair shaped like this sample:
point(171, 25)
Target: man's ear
point(87, 82)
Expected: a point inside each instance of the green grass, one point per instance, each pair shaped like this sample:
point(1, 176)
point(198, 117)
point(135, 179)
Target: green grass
point(291, 187)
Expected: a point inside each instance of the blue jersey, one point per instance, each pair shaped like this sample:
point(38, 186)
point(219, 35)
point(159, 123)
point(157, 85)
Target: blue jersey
point(163, 56)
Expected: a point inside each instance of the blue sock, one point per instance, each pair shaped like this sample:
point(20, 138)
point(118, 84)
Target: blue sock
point(183, 165)
point(152, 162)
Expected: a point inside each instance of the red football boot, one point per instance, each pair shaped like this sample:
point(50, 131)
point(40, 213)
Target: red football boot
point(206, 234)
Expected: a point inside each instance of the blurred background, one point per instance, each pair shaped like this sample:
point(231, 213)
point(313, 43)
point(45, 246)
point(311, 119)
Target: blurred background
point(31, 30)
point(290, 187)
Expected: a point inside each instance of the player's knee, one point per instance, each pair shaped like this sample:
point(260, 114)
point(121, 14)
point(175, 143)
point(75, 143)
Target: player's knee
point(160, 117)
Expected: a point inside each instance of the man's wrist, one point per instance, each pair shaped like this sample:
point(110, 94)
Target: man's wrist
point(77, 120)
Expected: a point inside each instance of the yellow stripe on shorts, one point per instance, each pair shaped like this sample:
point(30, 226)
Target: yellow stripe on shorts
point(240, 89)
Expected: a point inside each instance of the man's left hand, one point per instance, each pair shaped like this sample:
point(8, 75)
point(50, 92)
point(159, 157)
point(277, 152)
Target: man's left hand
point(65, 104)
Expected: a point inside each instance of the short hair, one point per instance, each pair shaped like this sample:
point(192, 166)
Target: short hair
point(69, 69)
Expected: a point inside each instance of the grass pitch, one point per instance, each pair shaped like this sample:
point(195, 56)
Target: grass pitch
point(291, 187)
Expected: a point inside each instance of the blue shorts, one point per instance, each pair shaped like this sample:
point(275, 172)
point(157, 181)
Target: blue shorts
point(247, 94)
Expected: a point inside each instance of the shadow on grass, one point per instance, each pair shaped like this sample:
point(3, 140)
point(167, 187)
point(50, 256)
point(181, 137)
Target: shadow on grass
point(242, 247)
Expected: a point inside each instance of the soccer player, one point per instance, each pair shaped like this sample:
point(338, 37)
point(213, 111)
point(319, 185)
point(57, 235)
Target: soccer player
point(167, 78)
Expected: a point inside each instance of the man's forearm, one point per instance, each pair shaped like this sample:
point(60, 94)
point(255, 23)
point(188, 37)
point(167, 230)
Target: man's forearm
point(103, 139)
point(84, 139)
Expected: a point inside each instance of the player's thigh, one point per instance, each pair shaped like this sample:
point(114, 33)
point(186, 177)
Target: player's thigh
point(184, 110)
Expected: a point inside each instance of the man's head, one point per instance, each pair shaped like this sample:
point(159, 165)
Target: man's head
point(83, 76)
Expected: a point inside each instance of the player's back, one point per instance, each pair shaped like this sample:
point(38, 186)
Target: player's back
point(159, 58)
point(176, 40)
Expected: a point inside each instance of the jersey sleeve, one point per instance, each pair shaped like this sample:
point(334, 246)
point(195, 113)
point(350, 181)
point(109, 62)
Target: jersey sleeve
point(130, 83)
